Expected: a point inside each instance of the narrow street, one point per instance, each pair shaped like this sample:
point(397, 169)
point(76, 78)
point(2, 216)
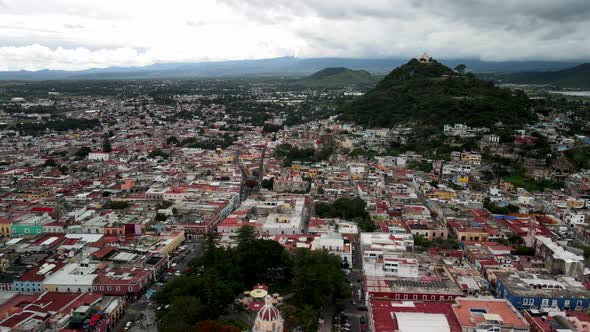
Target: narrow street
point(142, 312)
point(357, 288)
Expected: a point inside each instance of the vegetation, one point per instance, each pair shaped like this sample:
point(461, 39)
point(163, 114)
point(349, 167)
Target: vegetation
point(430, 93)
point(225, 141)
point(525, 251)
point(349, 209)
point(513, 239)
point(335, 77)
point(83, 152)
point(106, 145)
point(422, 243)
point(291, 153)
point(579, 157)
point(521, 180)
point(423, 166)
point(60, 125)
point(117, 205)
point(496, 209)
point(267, 183)
point(221, 274)
point(158, 153)
point(576, 77)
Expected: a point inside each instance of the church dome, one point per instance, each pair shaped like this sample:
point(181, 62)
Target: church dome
point(268, 318)
point(268, 313)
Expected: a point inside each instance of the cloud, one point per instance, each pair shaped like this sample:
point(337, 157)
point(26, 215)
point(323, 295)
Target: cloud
point(73, 34)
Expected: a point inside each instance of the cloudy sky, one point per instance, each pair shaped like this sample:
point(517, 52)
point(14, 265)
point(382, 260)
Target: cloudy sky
point(79, 34)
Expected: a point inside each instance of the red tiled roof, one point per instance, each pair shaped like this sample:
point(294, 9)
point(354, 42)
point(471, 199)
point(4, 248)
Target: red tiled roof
point(103, 252)
point(384, 318)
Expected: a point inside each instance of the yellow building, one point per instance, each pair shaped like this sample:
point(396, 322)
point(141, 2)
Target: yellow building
point(463, 179)
point(36, 194)
point(443, 195)
point(5, 227)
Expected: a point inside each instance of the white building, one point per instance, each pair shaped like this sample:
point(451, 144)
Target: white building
point(334, 244)
point(72, 278)
point(98, 156)
point(287, 219)
point(376, 246)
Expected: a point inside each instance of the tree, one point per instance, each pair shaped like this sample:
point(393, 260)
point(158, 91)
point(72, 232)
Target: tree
point(317, 277)
point(246, 236)
point(83, 152)
point(215, 326)
point(515, 239)
point(63, 169)
point(210, 247)
point(268, 183)
point(117, 205)
point(172, 140)
point(308, 318)
point(160, 217)
point(106, 145)
point(525, 251)
point(460, 68)
point(50, 163)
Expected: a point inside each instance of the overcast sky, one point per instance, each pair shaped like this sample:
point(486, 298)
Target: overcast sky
point(79, 34)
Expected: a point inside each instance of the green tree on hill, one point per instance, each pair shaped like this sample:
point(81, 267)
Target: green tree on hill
point(461, 68)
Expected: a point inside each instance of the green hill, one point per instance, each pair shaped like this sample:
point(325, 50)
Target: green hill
point(576, 77)
point(332, 77)
point(433, 94)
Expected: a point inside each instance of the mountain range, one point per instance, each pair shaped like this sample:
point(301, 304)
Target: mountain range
point(576, 77)
point(274, 66)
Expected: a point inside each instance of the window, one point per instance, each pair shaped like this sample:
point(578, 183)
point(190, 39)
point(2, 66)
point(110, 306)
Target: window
point(27, 231)
point(101, 288)
point(554, 303)
point(545, 302)
point(38, 231)
point(579, 303)
point(415, 297)
point(109, 288)
point(433, 297)
point(405, 296)
point(424, 297)
point(130, 289)
point(118, 289)
point(566, 303)
point(478, 311)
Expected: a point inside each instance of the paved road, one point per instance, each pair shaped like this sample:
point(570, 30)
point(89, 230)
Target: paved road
point(142, 312)
point(358, 289)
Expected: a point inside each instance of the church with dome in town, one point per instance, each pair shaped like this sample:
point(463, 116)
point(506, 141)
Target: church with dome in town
point(268, 318)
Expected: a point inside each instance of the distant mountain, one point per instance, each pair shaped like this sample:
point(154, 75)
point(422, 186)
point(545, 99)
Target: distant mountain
point(337, 76)
point(274, 66)
point(431, 94)
point(576, 77)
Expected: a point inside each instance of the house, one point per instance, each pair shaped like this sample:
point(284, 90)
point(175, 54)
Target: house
point(478, 314)
point(542, 291)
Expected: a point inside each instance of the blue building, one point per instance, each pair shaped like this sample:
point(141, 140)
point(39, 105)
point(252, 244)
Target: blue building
point(528, 291)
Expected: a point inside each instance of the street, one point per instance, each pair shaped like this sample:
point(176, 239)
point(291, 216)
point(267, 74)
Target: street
point(357, 288)
point(142, 312)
